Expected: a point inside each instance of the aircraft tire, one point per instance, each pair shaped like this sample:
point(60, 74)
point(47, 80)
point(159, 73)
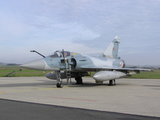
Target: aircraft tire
point(112, 82)
point(59, 85)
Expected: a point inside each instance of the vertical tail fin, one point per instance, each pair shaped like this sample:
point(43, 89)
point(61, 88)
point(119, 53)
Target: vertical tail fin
point(112, 50)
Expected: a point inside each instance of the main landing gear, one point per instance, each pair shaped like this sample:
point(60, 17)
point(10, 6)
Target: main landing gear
point(79, 80)
point(59, 80)
point(112, 82)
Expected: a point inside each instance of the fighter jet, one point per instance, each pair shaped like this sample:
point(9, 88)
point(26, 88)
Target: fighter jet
point(66, 65)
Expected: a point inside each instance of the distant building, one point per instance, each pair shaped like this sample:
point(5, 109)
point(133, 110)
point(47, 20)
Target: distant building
point(11, 64)
point(1, 64)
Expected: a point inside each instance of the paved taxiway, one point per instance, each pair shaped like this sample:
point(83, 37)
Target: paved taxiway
point(129, 96)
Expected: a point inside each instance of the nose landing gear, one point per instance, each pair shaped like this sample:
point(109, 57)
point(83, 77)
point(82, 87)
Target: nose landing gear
point(59, 80)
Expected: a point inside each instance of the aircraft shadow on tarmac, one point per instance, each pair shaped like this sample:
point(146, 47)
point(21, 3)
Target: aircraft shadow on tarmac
point(154, 87)
point(91, 84)
point(151, 85)
point(53, 83)
point(86, 85)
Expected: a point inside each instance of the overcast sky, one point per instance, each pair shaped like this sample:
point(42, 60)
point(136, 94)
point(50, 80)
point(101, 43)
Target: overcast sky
point(86, 26)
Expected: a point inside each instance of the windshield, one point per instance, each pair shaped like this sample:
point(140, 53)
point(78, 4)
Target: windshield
point(60, 54)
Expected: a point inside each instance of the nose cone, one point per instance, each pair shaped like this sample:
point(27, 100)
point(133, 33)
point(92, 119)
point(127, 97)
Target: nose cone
point(36, 65)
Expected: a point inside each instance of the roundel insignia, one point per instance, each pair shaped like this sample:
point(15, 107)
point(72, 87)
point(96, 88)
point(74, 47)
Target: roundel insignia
point(121, 63)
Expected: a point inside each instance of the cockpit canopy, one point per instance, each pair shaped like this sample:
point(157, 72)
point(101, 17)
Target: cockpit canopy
point(58, 54)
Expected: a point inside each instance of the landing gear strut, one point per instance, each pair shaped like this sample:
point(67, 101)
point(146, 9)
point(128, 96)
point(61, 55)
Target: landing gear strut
point(112, 82)
point(79, 80)
point(59, 80)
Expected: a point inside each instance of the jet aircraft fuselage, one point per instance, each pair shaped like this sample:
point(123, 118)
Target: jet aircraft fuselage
point(66, 64)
